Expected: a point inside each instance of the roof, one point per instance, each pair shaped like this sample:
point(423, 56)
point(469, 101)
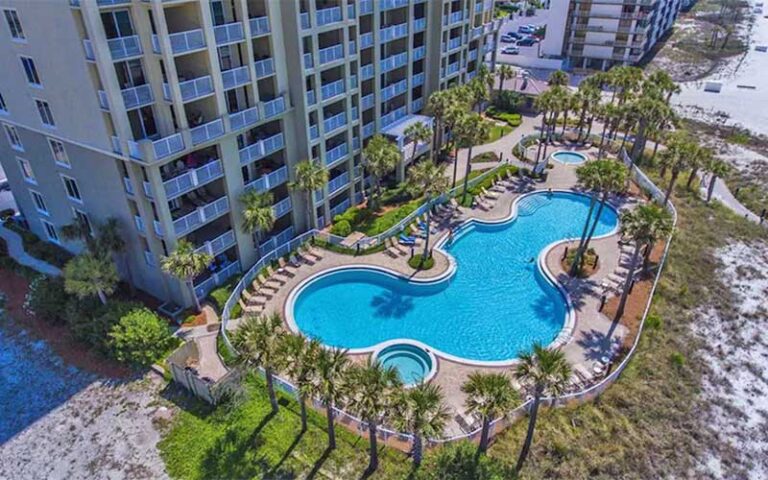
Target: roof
point(397, 129)
point(526, 85)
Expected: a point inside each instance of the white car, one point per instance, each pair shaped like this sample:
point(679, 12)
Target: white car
point(511, 50)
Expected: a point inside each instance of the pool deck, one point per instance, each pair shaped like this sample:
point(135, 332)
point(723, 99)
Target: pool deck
point(594, 336)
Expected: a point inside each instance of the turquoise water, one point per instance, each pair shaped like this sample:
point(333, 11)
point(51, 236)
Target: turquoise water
point(570, 158)
point(495, 306)
point(411, 362)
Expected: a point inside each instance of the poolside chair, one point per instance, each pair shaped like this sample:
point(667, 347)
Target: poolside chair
point(285, 269)
point(250, 308)
point(264, 284)
point(315, 252)
point(454, 204)
point(305, 257)
point(391, 250)
point(273, 275)
point(294, 261)
point(406, 240)
point(307, 253)
point(488, 194)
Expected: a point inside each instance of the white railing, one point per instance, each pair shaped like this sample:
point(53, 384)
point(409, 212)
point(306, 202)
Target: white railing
point(395, 89)
point(137, 96)
point(337, 121)
point(124, 47)
point(157, 227)
point(207, 132)
point(274, 107)
point(259, 26)
point(229, 33)
point(264, 68)
point(337, 183)
point(330, 54)
point(336, 153)
point(277, 240)
point(261, 148)
point(367, 101)
point(243, 118)
point(393, 32)
point(328, 15)
point(168, 145)
point(418, 79)
point(366, 40)
point(192, 179)
point(332, 89)
point(216, 279)
point(419, 52)
point(234, 77)
point(476, 32)
point(219, 244)
point(282, 207)
point(200, 215)
point(394, 61)
point(269, 181)
point(187, 41)
point(366, 71)
point(196, 88)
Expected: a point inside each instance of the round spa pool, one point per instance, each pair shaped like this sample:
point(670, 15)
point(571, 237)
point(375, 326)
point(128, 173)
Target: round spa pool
point(569, 158)
point(414, 363)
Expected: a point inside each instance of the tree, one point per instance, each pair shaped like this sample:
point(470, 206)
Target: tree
point(547, 373)
point(418, 133)
point(310, 177)
point(141, 338)
point(185, 263)
point(421, 411)
point(558, 78)
point(429, 180)
point(505, 72)
point(380, 157)
point(490, 395)
point(110, 240)
point(676, 158)
point(586, 99)
point(300, 356)
point(718, 169)
point(644, 225)
point(87, 275)
point(662, 82)
point(372, 393)
point(258, 214)
point(79, 230)
point(258, 340)
point(473, 130)
point(438, 104)
point(328, 384)
point(459, 461)
point(479, 91)
point(545, 104)
point(700, 159)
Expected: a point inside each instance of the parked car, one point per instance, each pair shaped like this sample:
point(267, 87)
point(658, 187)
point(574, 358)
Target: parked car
point(527, 42)
point(507, 38)
point(511, 50)
point(526, 28)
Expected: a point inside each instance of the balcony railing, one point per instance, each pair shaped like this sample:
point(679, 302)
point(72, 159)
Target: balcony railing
point(218, 245)
point(387, 34)
point(244, 118)
point(337, 183)
point(229, 33)
point(417, 105)
point(139, 222)
point(235, 77)
point(261, 148)
point(269, 181)
point(394, 61)
point(366, 71)
point(366, 40)
point(394, 90)
point(200, 216)
point(452, 18)
point(207, 132)
point(217, 278)
point(420, 24)
point(124, 47)
point(351, 11)
point(369, 129)
point(196, 88)
point(282, 207)
point(308, 61)
point(264, 68)
point(337, 121)
point(192, 179)
point(137, 96)
point(332, 89)
point(476, 32)
point(340, 208)
point(305, 23)
point(393, 116)
point(259, 26)
point(390, 4)
point(168, 145)
point(274, 107)
point(128, 185)
point(311, 98)
point(336, 153)
point(352, 47)
point(276, 241)
point(366, 7)
point(314, 132)
point(367, 101)
point(452, 44)
point(328, 15)
point(155, 44)
point(451, 69)
point(355, 143)
point(473, 55)
point(355, 114)
point(419, 52)
point(331, 54)
point(418, 79)
point(187, 41)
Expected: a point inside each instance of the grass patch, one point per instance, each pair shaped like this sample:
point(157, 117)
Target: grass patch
point(417, 263)
point(219, 296)
point(498, 131)
point(485, 157)
point(590, 262)
point(227, 356)
point(372, 223)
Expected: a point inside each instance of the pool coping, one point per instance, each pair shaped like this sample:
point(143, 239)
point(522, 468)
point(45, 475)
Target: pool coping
point(562, 338)
point(582, 155)
point(414, 343)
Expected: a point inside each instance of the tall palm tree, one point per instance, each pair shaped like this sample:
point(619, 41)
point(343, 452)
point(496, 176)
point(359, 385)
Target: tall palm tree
point(79, 230)
point(380, 157)
point(676, 158)
point(587, 98)
point(258, 214)
point(328, 382)
point(429, 180)
point(644, 225)
point(185, 264)
point(310, 177)
point(258, 340)
point(558, 78)
point(547, 373)
point(473, 130)
point(649, 112)
point(491, 396)
point(700, 159)
point(663, 82)
point(88, 274)
point(480, 92)
point(373, 390)
point(421, 411)
point(544, 104)
point(300, 355)
point(418, 133)
point(438, 105)
point(505, 72)
point(569, 103)
point(718, 169)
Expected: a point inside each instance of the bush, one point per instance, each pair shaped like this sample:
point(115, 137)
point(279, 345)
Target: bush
point(91, 322)
point(416, 262)
point(46, 298)
point(140, 338)
point(506, 101)
point(342, 228)
point(485, 157)
point(459, 461)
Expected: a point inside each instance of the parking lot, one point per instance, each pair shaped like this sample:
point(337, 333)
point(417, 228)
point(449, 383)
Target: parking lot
point(527, 54)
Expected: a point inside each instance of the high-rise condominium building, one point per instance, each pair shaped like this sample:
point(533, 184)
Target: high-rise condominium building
point(161, 113)
point(598, 34)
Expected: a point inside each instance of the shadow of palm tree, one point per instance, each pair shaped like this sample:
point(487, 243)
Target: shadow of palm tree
point(597, 344)
point(391, 305)
point(319, 463)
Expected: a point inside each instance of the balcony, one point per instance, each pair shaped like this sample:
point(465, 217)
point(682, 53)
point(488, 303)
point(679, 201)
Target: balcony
point(124, 47)
point(352, 47)
point(167, 146)
point(200, 216)
point(355, 114)
point(308, 61)
point(269, 180)
point(472, 55)
point(476, 32)
point(244, 118)
point(218, 245)
point(387, 34)
point(229, 33)
point(366, 7)
point(273, 107)
point(261, 148)
point(188, 179)
point(259, 26)
point(420, 24)
point(305, 23)
point(366, 71)
point(390, 4)
point(264, 68)
point(331, 54)
point(394, 61)
point(327, 16)
point(276, 241)
point(136, 97)
point(335, 122)
point(367, 101)
point(369, 130)
point(189, 41)
point(419, 52)
point(340, 208)
point(207, 132)
point(351, 11)
point(451, 69)
point(314, 132)
point(394, 90)
point(234, 77)
point(103, 100)
point(196, 88)
point(311, 98)
point(452, 44)
point(393, 116)
point(366, 40)
point(282, 207)
point(338, 183)
point(418, 79)
point(332, 89)
point(218, 277)
point(452, 18)
point(417, 105)
point(336, 153)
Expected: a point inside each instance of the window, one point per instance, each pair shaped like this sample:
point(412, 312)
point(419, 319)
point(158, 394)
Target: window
point(39, 202)
point(13, 138)
point(82, 219)
point(59, 154)
point(72, 191)
point(31, 71)
point(117, 24)
point(26, 171)
point(45, 113)
point(50, 231)
point(3, 107)
point(14, 24)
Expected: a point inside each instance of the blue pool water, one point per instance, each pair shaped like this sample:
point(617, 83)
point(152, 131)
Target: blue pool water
point(411, 362)
point(569, 158)
point(495, 306)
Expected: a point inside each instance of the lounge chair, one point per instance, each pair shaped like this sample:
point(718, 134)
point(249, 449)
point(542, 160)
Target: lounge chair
point(294, 261)
point(285, 269)
point(406, 240)
point(315, 252)
point(250, 308)
point(307, 253)
point(305, 257)
point(391, 250)
point(261, 283)
point(273, 275)
point(487, 194)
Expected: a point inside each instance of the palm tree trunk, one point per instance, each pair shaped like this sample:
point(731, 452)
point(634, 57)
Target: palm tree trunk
point(303, 405)
point(602, 140)
point(647, 257)
point(670, 187)
point(310, 206)
point(594, 226)
point(589, 128)
point(579, 251)
point(529, 434)
point(565, 122)
point(103, 297)
point(582, 121)
point(542, 135)
point(628, 283)
point(655, 149)
point(639, 145)
point(691, 178)
point(191, 285)
point(501, 83)
point(331, 426)
point(466, 175)
point(418, 449)
point(435, 133)
point(455, 168)
point(484, 435)
point(271, 389)
point(374, 449)
point(426, 240)
point(711, 188)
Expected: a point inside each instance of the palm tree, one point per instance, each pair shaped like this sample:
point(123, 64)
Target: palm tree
point(185, 264)
point(373, 390)
point(649, 112)
point(421, 411)
point(644, 225)
point(310, 177)
point(558, 78)
point(569, 103)
point(547, 373)
point(258, 214)
point(480, 91)
point(505, 72)
point(88, 274)
point(418, 133)
point(429, 180)
point(700, 159)
point(258, 340)
point(543, 104)
point(718, 169)
point(676, 158)
point(300, 356)
point(473, 130)
point(80, 230)
point(380, 157)
point(491, 396)
point(438, 105)
point(327, 384)
point(663, 82)
point(110, 240)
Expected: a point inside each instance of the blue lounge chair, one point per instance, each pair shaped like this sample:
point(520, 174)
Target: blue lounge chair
point(406, 240)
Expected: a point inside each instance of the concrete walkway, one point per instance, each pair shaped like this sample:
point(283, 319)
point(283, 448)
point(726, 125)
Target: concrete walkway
point(16, 251)
point(723, 194)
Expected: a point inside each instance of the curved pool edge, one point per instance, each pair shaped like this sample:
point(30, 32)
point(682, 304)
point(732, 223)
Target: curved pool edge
point(583, 156)
point(414, 343)
point(561, 339)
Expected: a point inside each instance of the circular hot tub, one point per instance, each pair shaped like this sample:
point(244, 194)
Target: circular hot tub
point(569, 158)
point(414, 363)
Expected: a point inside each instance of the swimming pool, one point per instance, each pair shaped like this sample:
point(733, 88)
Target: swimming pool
point(413, 363)
point(493, 307)
point(569, 158)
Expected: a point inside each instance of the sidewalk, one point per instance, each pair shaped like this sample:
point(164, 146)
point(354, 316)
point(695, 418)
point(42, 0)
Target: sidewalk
point(16, 251)
point(723, 194)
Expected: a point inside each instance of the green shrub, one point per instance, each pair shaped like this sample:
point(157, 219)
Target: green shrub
point(485, 157)
point(227, 356)
point(678, 359)
point(46, 298)
point(459, 461)
point(506, 101)
point(140, 338)
point(91, 322)
point(416, 262)
point(653, 322)
point(341, 228)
